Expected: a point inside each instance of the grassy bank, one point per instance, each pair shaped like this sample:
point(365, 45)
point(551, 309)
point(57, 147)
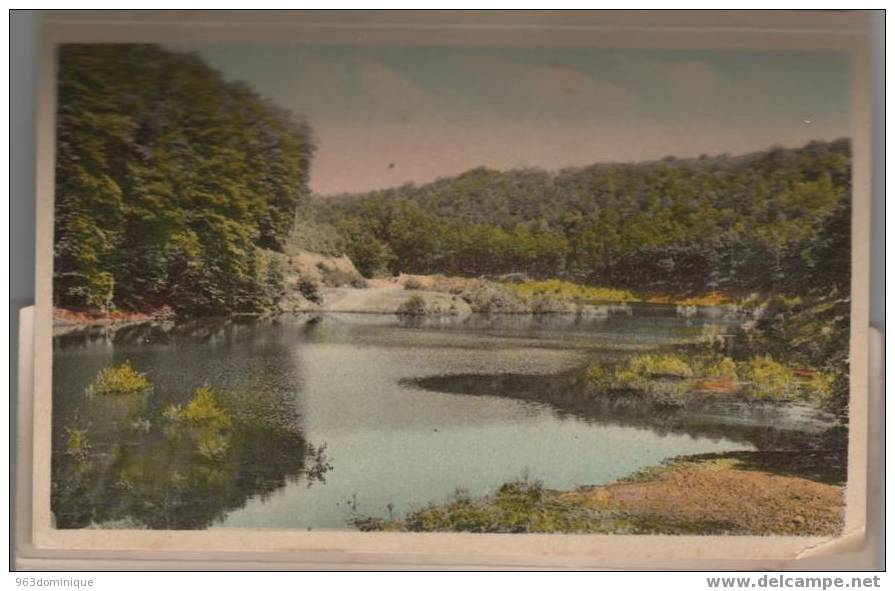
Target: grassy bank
point(512, 295)
point(677, 378)
point(584, 294)
point(741, 493)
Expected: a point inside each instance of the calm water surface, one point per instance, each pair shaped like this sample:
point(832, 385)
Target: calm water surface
point(357, 415)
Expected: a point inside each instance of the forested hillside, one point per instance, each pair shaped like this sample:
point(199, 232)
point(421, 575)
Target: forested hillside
point(173, 186)
point(775, 221)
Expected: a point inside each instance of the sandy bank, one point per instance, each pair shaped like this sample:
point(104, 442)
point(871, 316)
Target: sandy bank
point(382, 298)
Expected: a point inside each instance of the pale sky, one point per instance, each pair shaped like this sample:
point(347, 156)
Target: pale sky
point(384, 116)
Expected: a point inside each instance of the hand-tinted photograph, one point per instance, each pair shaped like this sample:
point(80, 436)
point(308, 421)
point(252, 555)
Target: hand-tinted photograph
point(451, 289)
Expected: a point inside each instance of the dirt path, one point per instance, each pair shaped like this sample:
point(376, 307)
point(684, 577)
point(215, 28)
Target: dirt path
point(378, 299)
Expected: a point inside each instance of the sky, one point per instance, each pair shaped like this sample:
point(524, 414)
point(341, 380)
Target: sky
point(385, 116)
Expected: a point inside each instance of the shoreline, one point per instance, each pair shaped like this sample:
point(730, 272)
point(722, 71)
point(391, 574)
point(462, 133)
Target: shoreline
point(66, 320)
point(391, 296)
point(787, 493)
point(794, 477)
point(65, 324)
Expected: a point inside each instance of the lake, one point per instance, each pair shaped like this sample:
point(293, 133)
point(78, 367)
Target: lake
point(343, 415)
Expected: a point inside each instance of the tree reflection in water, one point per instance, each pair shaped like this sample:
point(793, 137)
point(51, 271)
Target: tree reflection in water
point(767, 426)
point(128, 461)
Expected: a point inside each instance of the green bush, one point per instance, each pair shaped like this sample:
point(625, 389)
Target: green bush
point(202, 410)
point(663, 378)
point(660, 366)
point(726, 369)
point(601, 376)
point(569, 291)
point(119, 379)
point(767, 378)
point(101, 290)
point(819, 385)
point(515, 507)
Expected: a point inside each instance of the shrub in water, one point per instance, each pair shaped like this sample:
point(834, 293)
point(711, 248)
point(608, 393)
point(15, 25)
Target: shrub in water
point(202, 410)
point(119, 379)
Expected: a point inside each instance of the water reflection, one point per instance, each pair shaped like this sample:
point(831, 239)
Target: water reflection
point(138, 469)
point(124, 460)
point(766, 426)
point(293, 384)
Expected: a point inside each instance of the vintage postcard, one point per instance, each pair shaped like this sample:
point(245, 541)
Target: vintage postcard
point(466, 288)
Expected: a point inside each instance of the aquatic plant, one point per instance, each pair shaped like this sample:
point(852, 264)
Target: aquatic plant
point(76, 443)
point(119, 379)
point(202, 410)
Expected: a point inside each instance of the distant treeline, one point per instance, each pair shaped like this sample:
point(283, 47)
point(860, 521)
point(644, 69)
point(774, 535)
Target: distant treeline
point(173, 186)
point(775, 221)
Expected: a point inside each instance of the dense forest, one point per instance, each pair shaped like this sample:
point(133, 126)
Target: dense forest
point(773, 222)
point(173, 186)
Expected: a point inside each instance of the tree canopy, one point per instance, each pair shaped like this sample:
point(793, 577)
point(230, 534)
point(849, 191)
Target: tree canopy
point(173, 186)
point(751, 223)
